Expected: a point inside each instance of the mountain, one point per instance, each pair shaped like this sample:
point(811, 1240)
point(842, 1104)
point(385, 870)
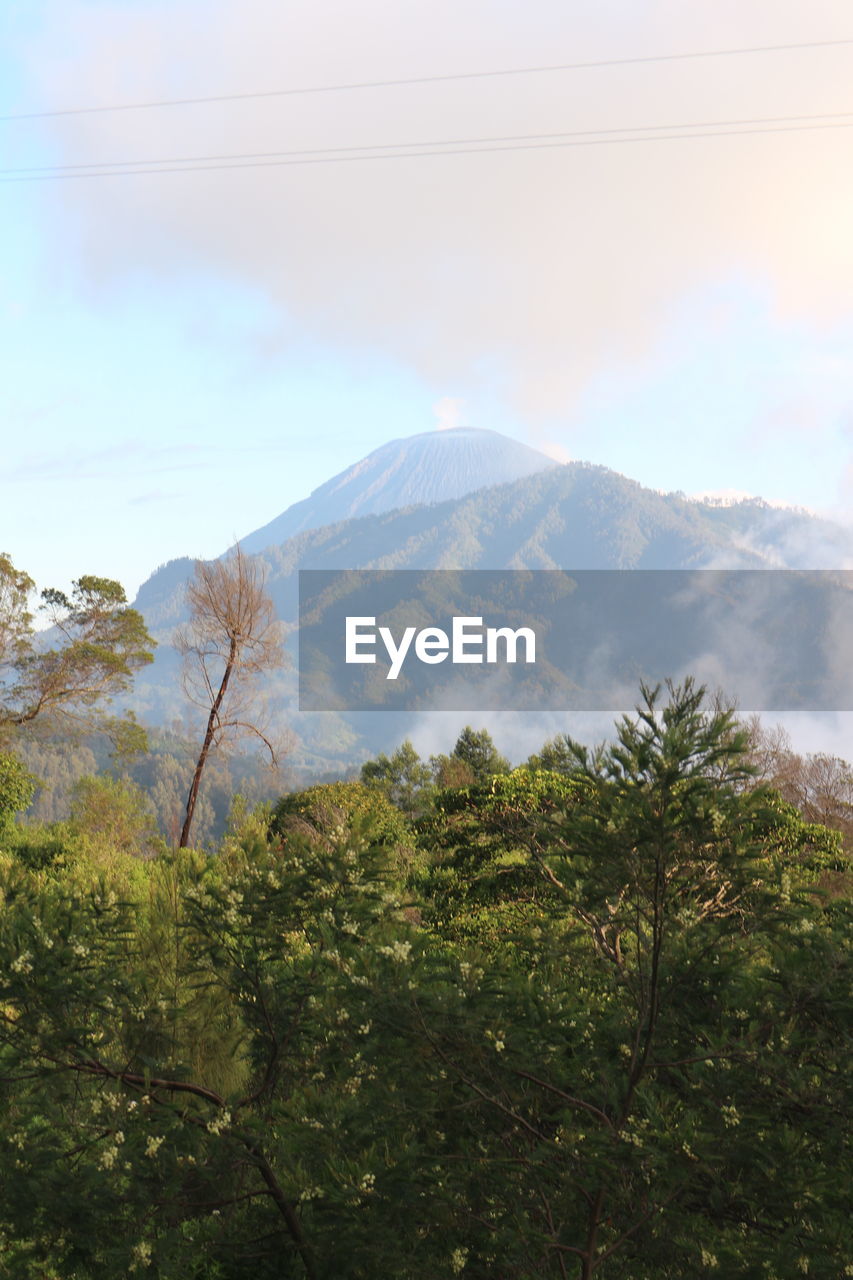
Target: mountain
point(574, 516)
point(431, 467)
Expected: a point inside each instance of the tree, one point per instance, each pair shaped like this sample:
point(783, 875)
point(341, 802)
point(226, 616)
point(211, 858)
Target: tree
point(232, 638)
point(474, 758)
point(555, 755)
point(680, 887)
point(15, 618)
point(17, 787)
point(480, 883)
point(404, 777)
point(115, 815)
point(94, 647)
point(819, 785)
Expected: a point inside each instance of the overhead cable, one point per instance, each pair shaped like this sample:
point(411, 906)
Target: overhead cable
point(443, 78)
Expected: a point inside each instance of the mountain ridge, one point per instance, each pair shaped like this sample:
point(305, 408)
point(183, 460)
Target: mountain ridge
point(576, 515)
point(572, 516)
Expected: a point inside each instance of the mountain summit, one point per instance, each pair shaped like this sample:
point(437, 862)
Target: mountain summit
point(434, 466)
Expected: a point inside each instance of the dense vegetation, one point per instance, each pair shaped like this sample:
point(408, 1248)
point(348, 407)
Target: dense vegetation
point(587, 1017)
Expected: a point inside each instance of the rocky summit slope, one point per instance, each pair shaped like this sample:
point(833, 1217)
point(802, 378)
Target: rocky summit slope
point(435, 466)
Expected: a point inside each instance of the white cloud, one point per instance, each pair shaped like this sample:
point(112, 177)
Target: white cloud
point(551, 263)
point(730, 497)
point(553, 449)
point(449, 412)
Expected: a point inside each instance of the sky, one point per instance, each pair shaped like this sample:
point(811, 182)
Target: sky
point(187, 350)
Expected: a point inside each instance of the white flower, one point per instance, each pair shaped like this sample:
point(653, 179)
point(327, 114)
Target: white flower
point(23, 964)
point(153, 1145)
point(219, 1123)
point(458, 1258)
point(398, 951)
point(142, 1254)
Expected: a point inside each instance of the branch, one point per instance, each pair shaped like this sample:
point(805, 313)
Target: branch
point(262, 1164)
point(567, 1097)
point(149, 1082)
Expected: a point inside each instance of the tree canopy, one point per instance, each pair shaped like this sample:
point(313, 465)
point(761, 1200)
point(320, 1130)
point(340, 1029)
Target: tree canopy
point(65, 677)
point(474, 758)
point(266, 1064)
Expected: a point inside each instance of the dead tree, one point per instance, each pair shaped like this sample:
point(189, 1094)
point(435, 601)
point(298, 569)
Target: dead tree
point(231, 639)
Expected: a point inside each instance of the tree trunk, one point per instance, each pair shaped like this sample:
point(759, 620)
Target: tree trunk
point(206, 745)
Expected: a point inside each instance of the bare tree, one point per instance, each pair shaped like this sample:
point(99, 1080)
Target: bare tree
point(231, 639)
point(819, 785)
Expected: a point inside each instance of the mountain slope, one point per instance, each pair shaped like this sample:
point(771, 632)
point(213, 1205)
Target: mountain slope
point(431, 467)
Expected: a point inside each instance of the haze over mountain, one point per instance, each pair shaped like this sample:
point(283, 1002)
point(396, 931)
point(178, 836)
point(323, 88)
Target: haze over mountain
point(431, 467)
point(574, 516)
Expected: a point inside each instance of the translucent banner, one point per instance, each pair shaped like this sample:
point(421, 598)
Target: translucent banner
point(444, 640)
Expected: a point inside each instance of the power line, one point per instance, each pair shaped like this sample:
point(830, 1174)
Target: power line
point(403, 148)
point(341, 156)
point(432, 79)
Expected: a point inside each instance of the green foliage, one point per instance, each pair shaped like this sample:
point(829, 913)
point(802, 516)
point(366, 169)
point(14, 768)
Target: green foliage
point(404, 778)
point(351, 806)
point(481, 884)
point(474, 759)
point(101, 643)
point(56, 766)
point(115, 816)
point(556, 755)
point(616, 1046)
point(42, 848)
point(17, 788)
point(15, 618)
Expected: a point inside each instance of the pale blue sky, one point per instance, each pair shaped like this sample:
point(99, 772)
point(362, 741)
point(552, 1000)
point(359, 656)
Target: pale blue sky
point(183, 355)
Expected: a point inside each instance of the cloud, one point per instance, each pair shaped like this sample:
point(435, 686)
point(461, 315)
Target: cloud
point(449, 413)
point(98, 464)
point(731, 497)
point(553, 449)
point(726, 497)
point(550, 262)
